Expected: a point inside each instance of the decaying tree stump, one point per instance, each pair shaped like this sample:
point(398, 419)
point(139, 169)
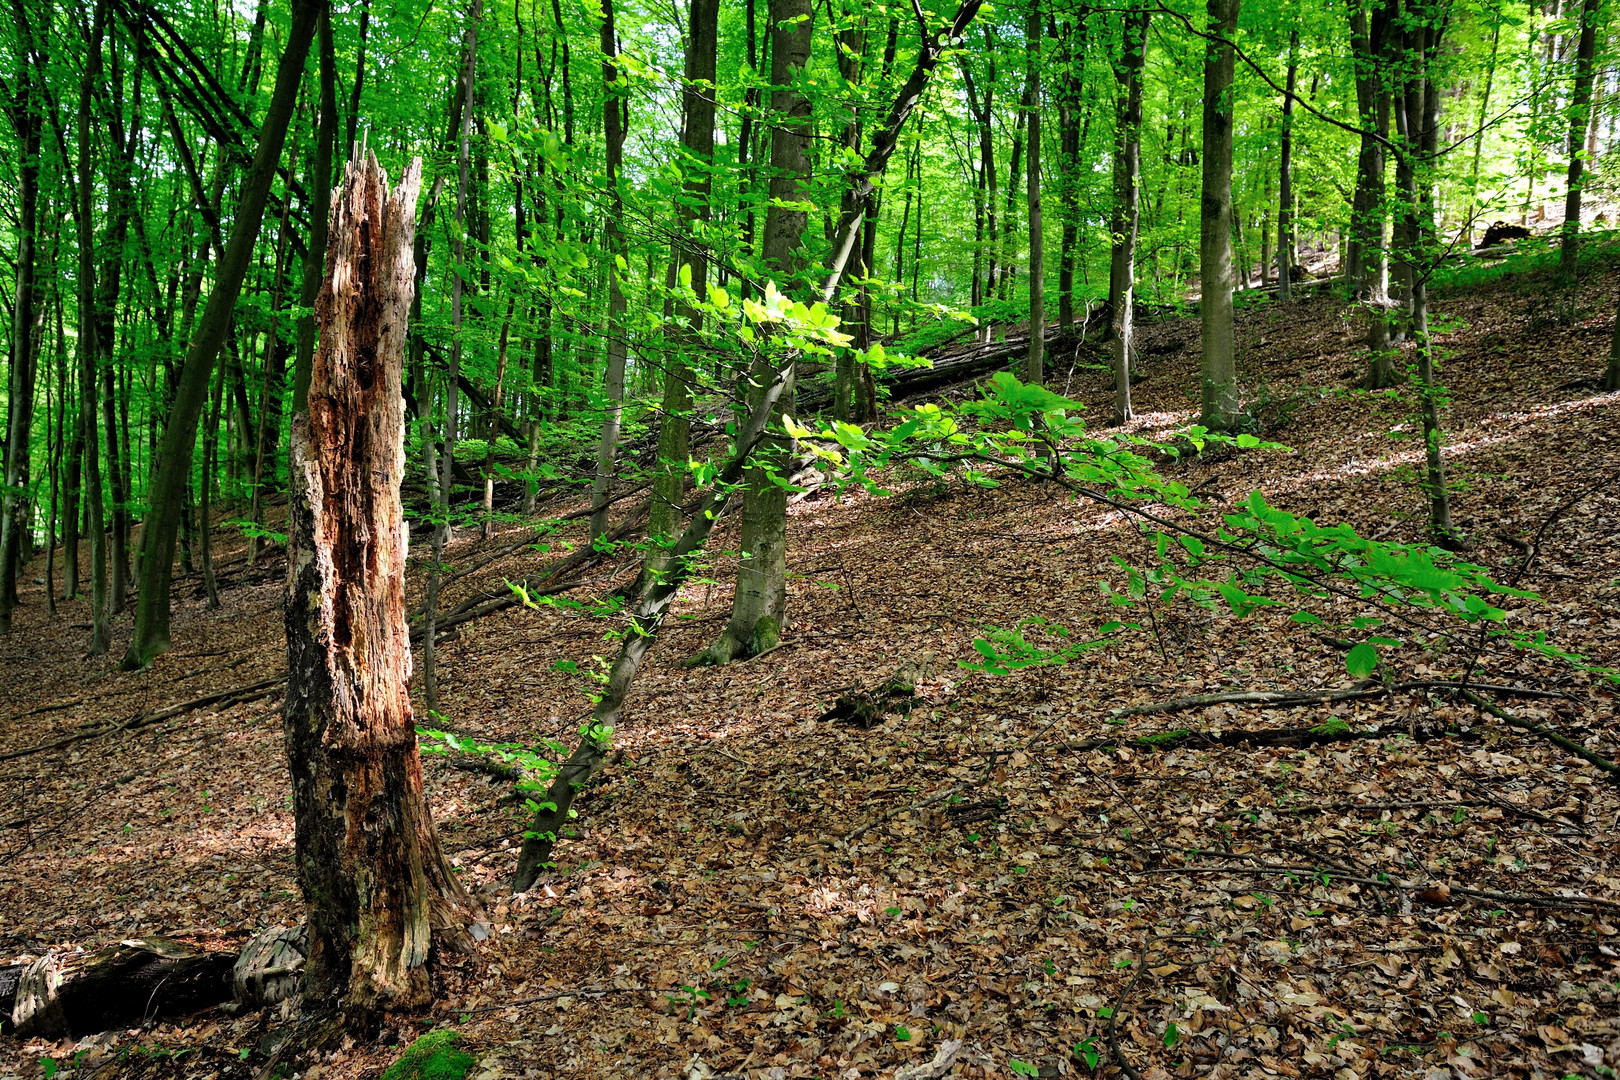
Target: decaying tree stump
point(376, 884)
point(867, 708)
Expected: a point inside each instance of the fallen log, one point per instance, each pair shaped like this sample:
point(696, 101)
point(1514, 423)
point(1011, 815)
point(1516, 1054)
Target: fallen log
point(119, 987)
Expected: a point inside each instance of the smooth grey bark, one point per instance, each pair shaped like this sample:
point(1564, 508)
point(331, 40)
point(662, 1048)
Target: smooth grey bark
point(615, 105)
point(1035, 362)
point(760, 600)
point(1221, 406)
point(1580, 115)
point(1127, 204)
point(697, 144)
point(27, 121)
point(167, 492)
point(1417, 112)
point(452, 383)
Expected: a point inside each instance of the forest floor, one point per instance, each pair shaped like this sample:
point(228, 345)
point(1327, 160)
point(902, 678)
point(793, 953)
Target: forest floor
point(1220, 910)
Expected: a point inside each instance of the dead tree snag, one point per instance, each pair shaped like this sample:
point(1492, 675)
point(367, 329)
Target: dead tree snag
point(377, 886)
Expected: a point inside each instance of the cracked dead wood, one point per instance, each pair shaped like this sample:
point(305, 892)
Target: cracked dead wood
point(380, 894)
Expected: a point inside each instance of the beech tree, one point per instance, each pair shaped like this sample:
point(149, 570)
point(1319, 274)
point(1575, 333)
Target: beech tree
point(168, 487)
point(1222, 407)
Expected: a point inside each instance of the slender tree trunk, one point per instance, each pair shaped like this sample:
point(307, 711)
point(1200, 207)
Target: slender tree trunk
point(615, 104)
point(167, 493)
point(1127, 205)
point(1580, 115)
point(72, 467)
point(1222, 409)
point(1035, 363)
point(1069, 109)
point(120, 206)
point(380, 894)
point(452, 403)
point(1479, 129)
point(359, 77)
point(1285, 178)
point(320, 191)
point(760, 601)
point(27, 120)
point(492, 428)
point(1009, 236)
point(56, 439)
point(205, 488)
point(697, 143)
point(1417, 117)
point(89, 353)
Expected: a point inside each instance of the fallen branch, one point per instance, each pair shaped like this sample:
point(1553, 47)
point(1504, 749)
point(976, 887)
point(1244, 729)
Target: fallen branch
point(487, 603)
point(1312, 736)
point(1551, 736)
point(235, 696)
point(1270, 869)
point(1288, 699)
point(883, 819)
point(57, 707)
point(1114, 1048)
point(1273, 698)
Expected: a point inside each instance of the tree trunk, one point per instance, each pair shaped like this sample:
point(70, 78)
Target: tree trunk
point(205, 489)
point(1127, 207)
point(1035, 365)
point(1069, 109)
point(1222, 409)
point(697, 142)
point(1580, 110)
point(761, 598)
point(615, 104)
point(320, 184)
point(1285, 177)
point(167, 493)
point(1417, 115)
point(27, 120)
point(123, 986)
point(89, 353)
point(377, 887)
point(452, 383)
point(120, 163)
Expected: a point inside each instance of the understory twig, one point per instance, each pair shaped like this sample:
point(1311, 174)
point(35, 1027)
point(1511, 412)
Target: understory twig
point(1113, 1022)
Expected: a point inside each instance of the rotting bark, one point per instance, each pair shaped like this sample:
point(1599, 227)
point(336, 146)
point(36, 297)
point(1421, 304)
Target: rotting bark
point(378, 889)
point(118, 987)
